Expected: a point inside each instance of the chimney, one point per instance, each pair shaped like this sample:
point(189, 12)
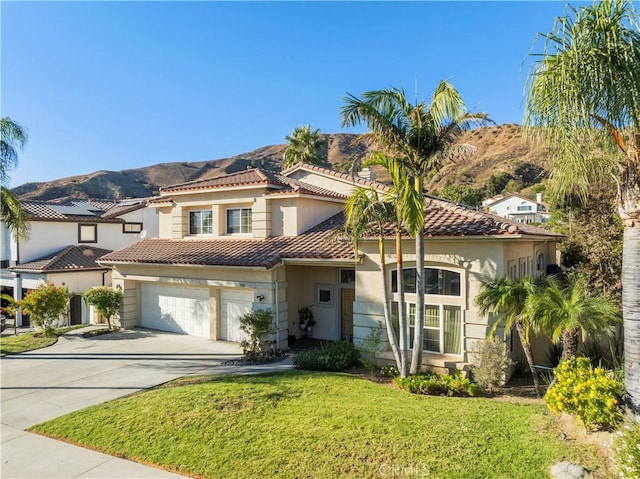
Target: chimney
point(367, 174)
point(539, 198)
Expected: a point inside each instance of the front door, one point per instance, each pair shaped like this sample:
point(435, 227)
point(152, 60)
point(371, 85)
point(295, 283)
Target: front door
point(348, 297)
point(75, 309)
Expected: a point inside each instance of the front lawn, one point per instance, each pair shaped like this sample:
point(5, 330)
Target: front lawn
point(320, 425)
point(31, 340)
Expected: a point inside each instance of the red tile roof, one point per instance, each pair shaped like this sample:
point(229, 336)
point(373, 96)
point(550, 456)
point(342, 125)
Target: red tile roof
point(356, 180)
point(315, 243)
point(72, 258)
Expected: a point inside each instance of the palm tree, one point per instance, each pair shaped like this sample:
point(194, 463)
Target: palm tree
point(510, 299)
point(568, 310)
point(586, 85)
point(367, 214)
point(419, 137)
point(303, 146)
point(13, 136)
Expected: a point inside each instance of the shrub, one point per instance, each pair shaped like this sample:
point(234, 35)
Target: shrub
point(434, 385)
point(626, 449)
point(257, 324)
point(46, 304)
point(371, 346)
point(589, 393)
point(491, 363)
point(390, 370)
point(105, 299)
point(330, 357)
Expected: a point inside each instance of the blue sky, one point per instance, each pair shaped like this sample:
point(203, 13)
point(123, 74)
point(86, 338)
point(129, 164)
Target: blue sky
point(118, 85)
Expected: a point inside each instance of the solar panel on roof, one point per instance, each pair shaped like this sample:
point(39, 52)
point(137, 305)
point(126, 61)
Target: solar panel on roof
point(72, 210)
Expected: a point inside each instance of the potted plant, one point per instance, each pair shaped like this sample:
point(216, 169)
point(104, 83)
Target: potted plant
point(306, 319)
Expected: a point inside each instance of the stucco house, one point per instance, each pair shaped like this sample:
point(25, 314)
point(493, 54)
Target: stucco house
point(263, 240)
point(518, 208)
point(66, 239)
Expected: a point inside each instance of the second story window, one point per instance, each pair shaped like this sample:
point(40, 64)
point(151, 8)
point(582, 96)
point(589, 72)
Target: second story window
point(201, 222)
point(238, 221)
point(88, 233)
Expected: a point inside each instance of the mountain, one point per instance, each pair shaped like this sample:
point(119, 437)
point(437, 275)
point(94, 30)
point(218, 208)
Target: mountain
point(499, 149)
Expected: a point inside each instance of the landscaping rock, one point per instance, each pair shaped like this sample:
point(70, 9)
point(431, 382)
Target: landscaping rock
point(566, 470)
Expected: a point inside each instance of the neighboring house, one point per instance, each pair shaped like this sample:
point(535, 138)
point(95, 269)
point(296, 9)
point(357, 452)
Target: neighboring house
point(518, 208)
point(263, 240)
point(66, 239)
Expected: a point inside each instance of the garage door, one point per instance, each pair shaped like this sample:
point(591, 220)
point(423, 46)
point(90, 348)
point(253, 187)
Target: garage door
point(176, 308)
point(233, 304)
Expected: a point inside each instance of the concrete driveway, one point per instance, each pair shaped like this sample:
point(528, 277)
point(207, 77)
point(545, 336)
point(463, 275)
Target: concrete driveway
point(78, 372)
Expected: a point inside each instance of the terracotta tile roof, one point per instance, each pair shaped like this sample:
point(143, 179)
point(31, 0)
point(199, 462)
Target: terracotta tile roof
point(315, 243)
point(72, 258)
point(356, 180)
point(81, 210)
point(444, 218)
point(274, 182)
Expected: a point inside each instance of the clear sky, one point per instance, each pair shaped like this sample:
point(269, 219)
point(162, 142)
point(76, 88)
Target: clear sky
point(119, 85)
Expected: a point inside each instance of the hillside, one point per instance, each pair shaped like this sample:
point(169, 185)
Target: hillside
point(498, 149)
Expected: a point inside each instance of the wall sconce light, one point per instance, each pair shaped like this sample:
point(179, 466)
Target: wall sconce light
point(260, 297)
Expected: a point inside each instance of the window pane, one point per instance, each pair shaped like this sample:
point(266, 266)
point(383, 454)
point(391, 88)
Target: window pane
point(394, 281)
point(394, 318)
point(194, 222)
point(441, 281)
point(347, 276)
point(452, 329)
point(324, 296)
point(207, 222)
point(246, 220)
point(233, 221)
point(431, 316)
point(431, 340)
point(410, 280)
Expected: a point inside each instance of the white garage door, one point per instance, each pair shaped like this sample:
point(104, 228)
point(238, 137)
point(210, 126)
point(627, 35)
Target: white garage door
point(177, 309)
point(233, 304)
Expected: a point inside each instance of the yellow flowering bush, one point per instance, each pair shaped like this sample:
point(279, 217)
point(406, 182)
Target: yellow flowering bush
point(589, 393)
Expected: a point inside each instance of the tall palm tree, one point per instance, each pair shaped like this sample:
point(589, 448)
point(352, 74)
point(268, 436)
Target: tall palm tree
point(509, 299)
point(568, 310)
point(586, 85)
point(367, 214)
point(419, 137)
point(13, 136)
point(302, 147)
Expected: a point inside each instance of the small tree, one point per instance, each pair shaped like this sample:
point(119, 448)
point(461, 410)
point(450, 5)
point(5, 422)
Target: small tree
point(46, 304)
point(491, 363)
point(105, 299)
point(256, 324)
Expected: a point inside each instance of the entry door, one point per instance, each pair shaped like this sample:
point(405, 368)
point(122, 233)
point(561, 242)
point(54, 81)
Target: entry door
point(348, 297)
point(75, 309)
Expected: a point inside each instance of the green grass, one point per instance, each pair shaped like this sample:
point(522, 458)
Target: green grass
point(32, 340)
point(310, 424)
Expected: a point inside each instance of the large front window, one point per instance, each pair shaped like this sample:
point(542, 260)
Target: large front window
point(238, 221)
point(442, 316)
point(201, 222)
point(436, 281)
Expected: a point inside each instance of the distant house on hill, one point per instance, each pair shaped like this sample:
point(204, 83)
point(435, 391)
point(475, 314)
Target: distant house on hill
point(518, 208)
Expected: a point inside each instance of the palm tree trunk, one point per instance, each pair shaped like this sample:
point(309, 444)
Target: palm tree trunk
point(631, 314)
point(391, 335)
point(569, 343)
point(630, 213)
point(418, 330)
point(402, 313)
point(526, 347)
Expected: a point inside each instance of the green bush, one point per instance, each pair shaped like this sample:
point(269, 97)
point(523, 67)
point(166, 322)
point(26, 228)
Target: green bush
point(435, 385)
point(491, 364)
point(390, 370)
point(330, 357)
point(257, 325)
point(590, 393)
point(626, 449)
